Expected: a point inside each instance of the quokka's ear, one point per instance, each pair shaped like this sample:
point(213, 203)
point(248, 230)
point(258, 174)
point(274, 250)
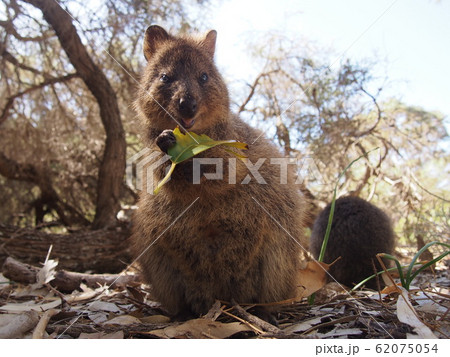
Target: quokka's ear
point(209, 43)
point(154, 36)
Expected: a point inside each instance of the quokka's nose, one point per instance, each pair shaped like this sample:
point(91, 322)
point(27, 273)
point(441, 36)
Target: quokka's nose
point(187, 107)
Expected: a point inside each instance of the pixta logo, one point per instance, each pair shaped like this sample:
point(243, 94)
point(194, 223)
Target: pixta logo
point(141, 169)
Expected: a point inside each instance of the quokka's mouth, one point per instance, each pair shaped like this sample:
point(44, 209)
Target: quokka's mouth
point(187, 123)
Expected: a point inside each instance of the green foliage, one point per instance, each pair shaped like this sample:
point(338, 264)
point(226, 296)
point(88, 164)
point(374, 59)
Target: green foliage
point(407, 279)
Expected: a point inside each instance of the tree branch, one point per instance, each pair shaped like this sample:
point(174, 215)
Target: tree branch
point(11, 30)
point(253, 88)
point(379, 113)
point(13, 60)
point(15, 171)
point(50, 81)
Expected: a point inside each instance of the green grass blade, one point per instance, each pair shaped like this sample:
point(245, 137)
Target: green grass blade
point(357, 286)
point(398, 267)
point(418, 254)
point(330, 217)
point(416, 257)
point(361, 283)
point(426, 265)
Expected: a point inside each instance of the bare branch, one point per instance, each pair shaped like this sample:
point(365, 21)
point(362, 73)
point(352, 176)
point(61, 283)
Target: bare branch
point(379, 113)
point(10, 58)
point(11, 30)
point(427, 191)
point(50, 81)
point(253, 88)
point(21, 172)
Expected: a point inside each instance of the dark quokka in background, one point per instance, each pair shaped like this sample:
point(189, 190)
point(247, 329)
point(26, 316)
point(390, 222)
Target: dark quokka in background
point(231, 243)
point(359, 231)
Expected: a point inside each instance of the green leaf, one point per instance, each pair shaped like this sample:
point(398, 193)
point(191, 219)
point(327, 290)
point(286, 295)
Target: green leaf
point(190, 144)
point(165, 179)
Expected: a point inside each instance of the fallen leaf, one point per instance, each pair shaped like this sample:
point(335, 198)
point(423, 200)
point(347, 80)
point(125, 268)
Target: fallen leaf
point(86, 294)
point(98, 317)
point(387, 278)
point(306, 325)
point(201, 328)
point(391, 289)
point(340, 332)
point(29, 306)
point(99, 305)
point(155, 319)
point(330, 292)
point(27, 290)
point(136, 294)
point(102, 335)
point(426, 304)
point(311, 278)
point(431, 307)
point(371, 313)
point(407, 315)
point(123, 320)
point(45, 274)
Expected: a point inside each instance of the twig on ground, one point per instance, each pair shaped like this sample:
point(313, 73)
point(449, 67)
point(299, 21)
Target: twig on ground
point(39, 331)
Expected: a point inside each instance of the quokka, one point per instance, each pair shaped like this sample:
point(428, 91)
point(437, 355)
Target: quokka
point(214, 240)
point(359, 231)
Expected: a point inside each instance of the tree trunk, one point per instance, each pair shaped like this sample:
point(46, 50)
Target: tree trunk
point(112, 168)
point(101, 251)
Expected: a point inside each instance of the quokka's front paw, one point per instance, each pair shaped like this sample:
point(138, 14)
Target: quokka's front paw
point(166, 140)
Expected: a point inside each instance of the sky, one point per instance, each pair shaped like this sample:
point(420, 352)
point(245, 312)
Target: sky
point(409, 39)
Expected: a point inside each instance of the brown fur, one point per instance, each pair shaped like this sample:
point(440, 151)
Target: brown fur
point(225, 246)
point(359, 231)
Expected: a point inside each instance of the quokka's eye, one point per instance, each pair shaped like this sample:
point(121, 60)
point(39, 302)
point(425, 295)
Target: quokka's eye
point(164, 78)
point(203, 78)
